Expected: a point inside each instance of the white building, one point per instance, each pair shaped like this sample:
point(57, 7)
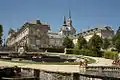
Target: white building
point(103, 32)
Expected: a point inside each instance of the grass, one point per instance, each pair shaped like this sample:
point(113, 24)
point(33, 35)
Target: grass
point(50, 63)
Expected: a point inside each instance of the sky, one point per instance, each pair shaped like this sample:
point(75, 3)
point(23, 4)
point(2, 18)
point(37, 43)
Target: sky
point(85, 13)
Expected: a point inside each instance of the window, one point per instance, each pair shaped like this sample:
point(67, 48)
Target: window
point(32, 41)
point(37, 42)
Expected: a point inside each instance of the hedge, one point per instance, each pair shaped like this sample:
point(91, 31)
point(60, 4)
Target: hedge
point(86, 52)
point(58, 50)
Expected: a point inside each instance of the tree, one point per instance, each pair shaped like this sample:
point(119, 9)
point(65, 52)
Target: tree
point(95, 44)
point(68, 43)
point(118, 31)
point(116, 40)
point(117, 44)
point(117, 35)
point(106, 43)
point(81, 43)
point(1, 34)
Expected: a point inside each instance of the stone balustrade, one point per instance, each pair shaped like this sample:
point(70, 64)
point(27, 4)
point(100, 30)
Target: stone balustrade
point(90, 72)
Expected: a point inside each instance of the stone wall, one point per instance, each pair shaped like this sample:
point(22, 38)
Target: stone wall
point(36, 74)
point(55, 76)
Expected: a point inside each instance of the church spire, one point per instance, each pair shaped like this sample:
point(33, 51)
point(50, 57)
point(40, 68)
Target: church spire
point(69, 13)
point(69, 22)
point(64, 20)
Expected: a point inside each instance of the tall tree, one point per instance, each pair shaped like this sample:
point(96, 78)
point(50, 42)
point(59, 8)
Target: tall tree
point(81, 42)
point(117, 44)
point(118, 31)
point(68, 43)
point(106, 43)
point(95, 43)
point(1, 34)
point(117, 35)
point(116, 40)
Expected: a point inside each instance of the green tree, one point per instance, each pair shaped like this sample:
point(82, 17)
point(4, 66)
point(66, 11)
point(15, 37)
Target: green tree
point(110, 55)
point(95, 44)
point(81, 43)
point(68, 43)
point(1, 34)
point(118, 31)
point(117, 35)
point(117, 44)
point(116, 40)
point(106, 43)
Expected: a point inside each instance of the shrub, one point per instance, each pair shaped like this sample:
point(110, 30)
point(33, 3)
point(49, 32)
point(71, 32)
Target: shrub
point(110, 54)
point(69, 51)
point(59, 50)
point(86, 52)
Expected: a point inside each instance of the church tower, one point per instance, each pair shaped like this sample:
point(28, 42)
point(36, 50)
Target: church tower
point(67, 29)
point(64, 24)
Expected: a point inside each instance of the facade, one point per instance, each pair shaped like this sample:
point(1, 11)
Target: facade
point(30, 35)
point(67, 29)
point(103, 32)
point(55, 40)
point(33, 36)
point(37, 35)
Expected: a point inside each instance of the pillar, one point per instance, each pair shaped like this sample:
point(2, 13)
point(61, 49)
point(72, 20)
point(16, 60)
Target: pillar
point(76, 76)
point(36, 73)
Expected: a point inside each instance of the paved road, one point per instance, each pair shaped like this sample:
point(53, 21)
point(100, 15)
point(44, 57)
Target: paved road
point(58, 68)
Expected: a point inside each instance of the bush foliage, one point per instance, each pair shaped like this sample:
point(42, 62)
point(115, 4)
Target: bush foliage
point(86, 52)
point(59, 50)
point(68, 43)
point(110, 54)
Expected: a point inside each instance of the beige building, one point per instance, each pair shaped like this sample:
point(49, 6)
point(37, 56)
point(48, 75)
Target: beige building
point(103, 32)
point(55, 40)
point(30, 35)
point(34, 36)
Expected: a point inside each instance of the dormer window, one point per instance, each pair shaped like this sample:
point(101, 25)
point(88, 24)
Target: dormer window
point(96, 28)
point(84, 32)
point(91, 29)
point(66, 28)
